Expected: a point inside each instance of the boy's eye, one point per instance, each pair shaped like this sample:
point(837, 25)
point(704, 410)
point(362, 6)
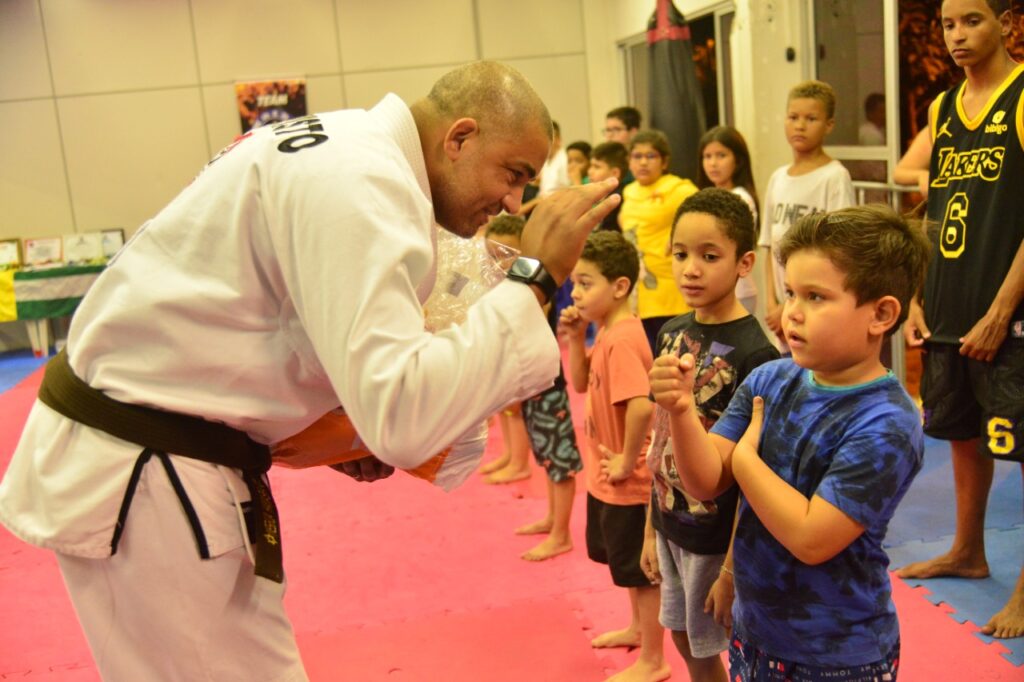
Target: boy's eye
point(679, 255)
point(789, 294)
point(710, 257)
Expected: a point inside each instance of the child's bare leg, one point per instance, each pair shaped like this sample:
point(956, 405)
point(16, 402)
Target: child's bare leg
point(1009, 622)
point(972, 478)
point(708, 669)
point(501, 461)
point(518, 466)
point(545, 524)
point(559, 540)
point(627, 637)
point(651, 665)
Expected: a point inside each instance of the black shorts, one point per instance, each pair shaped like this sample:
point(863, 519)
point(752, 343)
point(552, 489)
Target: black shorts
point(615, 536)
point(965, 399)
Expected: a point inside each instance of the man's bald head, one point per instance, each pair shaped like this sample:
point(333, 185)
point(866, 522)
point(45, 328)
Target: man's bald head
point(496, 95)
point(485, 132)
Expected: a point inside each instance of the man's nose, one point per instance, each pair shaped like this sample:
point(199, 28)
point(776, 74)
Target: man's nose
point(513, 201)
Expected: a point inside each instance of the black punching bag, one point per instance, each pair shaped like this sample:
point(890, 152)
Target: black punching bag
point(677, 101)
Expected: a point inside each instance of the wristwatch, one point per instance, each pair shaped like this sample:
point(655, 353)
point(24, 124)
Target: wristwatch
point(531, 271)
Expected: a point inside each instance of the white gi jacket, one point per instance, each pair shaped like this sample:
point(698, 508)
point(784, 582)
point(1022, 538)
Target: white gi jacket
point(286, 279)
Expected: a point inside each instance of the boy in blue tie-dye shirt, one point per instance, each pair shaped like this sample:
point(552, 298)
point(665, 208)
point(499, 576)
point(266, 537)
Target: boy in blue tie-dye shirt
point(823, 446)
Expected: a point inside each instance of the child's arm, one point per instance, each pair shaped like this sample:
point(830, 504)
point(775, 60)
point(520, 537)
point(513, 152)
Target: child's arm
point(575, 329)
point(649, 554)
point(723, 591)
point(703, 460)
point(912, 168)
point(813, 530)
point(618, 466)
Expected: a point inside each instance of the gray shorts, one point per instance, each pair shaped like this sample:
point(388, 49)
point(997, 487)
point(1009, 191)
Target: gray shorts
point(686, 579)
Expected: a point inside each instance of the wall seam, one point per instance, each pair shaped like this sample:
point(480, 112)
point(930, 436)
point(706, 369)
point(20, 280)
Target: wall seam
point(337, 48)
point(199, 82)
point(56, 113)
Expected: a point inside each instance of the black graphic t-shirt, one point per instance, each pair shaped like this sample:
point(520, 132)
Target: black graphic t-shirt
point(725, 354)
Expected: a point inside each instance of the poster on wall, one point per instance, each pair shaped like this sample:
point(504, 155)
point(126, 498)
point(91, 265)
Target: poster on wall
point(264, 102)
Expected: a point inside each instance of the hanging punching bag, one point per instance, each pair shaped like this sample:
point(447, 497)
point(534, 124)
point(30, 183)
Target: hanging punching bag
point(677, 101)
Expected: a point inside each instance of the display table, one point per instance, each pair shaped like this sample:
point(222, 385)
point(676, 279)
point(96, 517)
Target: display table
point(36, 296)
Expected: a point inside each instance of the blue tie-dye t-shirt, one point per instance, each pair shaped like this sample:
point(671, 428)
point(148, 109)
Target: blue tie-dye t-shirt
point(856, 447)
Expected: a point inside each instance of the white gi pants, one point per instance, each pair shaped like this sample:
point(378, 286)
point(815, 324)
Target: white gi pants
point(155, 611)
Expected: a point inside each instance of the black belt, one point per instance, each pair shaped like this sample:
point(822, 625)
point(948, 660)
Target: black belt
point(180, 434)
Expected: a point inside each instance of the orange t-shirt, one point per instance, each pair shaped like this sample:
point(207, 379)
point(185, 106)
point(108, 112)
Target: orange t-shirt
point(620, 361)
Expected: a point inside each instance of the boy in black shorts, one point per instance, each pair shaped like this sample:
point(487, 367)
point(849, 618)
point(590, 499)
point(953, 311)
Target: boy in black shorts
point(972, 320)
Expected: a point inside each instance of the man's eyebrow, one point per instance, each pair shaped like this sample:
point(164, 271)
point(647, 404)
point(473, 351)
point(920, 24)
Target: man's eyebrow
point(527, 168)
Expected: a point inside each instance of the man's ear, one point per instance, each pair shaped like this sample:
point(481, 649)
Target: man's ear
point(886, 312)
point(460, 131)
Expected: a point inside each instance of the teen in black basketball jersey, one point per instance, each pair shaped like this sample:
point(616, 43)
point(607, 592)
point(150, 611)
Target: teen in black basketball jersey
point(972, 321)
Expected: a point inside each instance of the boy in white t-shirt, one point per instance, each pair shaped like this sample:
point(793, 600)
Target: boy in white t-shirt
point(813, 183)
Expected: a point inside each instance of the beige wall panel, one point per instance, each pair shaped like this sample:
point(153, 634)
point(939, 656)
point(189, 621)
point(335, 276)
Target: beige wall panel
point(324, 93)
point(222, 120)
point(122, 175)
point(109, 46)
point(25, 71)
point(562, 84)
point(530, 27)
point(33, 189)
point(405, 33)
point(363, 90)
point(260, 39)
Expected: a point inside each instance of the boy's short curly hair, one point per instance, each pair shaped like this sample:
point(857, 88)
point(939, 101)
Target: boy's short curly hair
point(819, 90)
point(881, 252)
point(730, 212)
point(613, 255)
point(506, 223)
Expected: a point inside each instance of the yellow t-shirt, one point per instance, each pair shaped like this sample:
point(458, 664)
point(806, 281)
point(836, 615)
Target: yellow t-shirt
point(647, 212)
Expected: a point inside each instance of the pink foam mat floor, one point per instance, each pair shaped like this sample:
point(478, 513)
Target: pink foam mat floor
point(397, 580)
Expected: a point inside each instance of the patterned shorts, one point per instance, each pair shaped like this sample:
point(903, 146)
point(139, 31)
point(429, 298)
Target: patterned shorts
point(748, 664)
point(552, 436)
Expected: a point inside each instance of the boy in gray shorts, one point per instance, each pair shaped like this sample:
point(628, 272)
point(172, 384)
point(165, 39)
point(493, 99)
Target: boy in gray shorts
point(686, 539)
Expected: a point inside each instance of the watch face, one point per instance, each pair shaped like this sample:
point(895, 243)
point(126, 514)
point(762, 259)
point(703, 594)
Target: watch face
point(524, 268)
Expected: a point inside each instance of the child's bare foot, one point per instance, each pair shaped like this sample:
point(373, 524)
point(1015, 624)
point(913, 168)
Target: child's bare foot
point(549, 547)
point(508, 474)
point(1009, 622)
point(495, 464)
point(946, 565)
point(627, 637)
point(536, 528)
point(643, 671)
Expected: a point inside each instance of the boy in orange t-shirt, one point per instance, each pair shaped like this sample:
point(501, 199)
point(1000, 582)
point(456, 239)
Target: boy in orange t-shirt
point(614, 374)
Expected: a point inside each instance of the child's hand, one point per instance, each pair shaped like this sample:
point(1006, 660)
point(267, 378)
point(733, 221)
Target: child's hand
point(571, 324)
point(751, 438)
point(649, 559)
point(613, 465)
point(672, 383)
point(719, 601)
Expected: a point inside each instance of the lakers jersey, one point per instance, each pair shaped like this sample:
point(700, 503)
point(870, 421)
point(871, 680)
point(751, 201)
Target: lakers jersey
point(975, 207)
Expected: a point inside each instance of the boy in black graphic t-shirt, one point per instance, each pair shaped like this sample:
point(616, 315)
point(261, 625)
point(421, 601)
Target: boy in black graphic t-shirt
point(687, 539)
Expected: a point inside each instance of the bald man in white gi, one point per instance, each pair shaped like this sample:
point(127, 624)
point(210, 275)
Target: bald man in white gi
point(285, 281)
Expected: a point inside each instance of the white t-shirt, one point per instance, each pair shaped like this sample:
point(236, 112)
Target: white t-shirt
point(284, 281)
point(554, 174)
point(790, 197)
point(745, 286)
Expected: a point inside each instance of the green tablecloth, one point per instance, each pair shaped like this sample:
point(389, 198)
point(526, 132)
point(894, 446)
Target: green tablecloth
point(41, 294)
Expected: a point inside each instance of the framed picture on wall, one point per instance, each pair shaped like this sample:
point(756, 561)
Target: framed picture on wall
point(43, 251)
point(113, 240)
point(10, 253)
point(84, 247)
